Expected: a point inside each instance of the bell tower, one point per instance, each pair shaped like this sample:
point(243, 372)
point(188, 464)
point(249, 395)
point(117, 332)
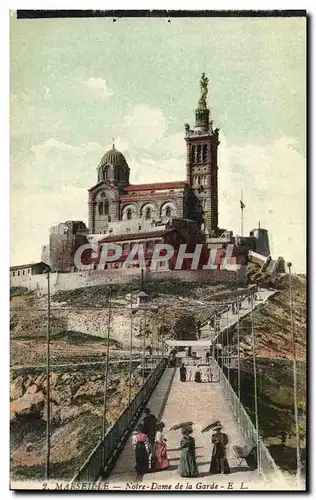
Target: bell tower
point(202, 143)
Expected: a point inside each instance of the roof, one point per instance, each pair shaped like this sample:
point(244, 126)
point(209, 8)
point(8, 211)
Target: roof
point(135, 236)
point(23, 266)
point(113, 157)
point(188, 343)
point(157, 186)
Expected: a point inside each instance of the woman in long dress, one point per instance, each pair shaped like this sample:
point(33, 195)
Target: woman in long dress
point(183, 373)
point(142, 450)
point(187, 465)
point(197, 377)
point(219, 463)
point(159, 457)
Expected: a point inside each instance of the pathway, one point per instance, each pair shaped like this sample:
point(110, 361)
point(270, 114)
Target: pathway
point(202, 404)
point(209, 333)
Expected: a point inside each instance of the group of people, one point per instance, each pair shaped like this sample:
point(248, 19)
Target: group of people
point(200, 375)
point(150, 448)
point(219, 463)
point(150, 445)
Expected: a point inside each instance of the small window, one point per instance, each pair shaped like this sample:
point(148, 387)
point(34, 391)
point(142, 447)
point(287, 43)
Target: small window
point(168, 212)
point(23, 272)
point(101, 208)
point(129, 213)
point(106, 208)
point(28, 271)
point(13, 273)
point(18, 273)
point(148, 213)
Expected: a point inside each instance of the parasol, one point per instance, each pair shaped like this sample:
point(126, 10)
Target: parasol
point(211, 426)
point(181, 426)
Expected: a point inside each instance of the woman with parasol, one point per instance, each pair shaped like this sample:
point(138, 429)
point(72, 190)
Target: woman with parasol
point(159, 457)
point(187, 465)
point(219, 463)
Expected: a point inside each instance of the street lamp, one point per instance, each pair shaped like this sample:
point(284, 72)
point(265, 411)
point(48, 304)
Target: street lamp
point(130, 354)
point(297, 429)
point(228, 343)
point(48, 271)
point(238, 348)
point(106, 367)
point(144, 304)
point(253, 337)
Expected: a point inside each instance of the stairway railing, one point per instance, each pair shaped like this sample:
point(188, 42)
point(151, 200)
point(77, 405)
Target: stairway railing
point(265, 461)
point(107, 450)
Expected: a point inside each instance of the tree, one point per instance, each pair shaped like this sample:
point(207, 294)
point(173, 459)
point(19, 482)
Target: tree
point(185, 328)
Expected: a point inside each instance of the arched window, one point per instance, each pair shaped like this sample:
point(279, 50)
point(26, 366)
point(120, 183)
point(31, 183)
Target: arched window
point(106, 208)
point(129, 213)
point(168, 212)
point(101, 208)
point(148, 213)
point(199, 153)
point(204, 153)
point(193, 154)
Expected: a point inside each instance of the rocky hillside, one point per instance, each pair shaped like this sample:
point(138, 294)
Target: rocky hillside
point(79, 323)
point(76, 415)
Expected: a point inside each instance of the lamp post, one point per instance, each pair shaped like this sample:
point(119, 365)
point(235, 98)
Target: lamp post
point(238, 348)
point(106, 368)
point(130, 355)
point(48, 379)
point(227, 339)
point(255, 384)
point(144, 346)
point(297, 429)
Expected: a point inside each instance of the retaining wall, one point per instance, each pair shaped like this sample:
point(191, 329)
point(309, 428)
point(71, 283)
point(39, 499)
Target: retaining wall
point(70, 281)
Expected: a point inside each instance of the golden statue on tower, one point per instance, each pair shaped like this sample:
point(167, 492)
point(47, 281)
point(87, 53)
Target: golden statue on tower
point(204, 90)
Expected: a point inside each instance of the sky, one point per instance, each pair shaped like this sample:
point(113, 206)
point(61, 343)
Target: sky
point(76, 83)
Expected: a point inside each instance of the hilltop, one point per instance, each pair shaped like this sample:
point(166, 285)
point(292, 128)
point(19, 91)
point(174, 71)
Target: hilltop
point(79, 321)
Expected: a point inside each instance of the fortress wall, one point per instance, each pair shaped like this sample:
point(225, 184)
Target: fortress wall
point(71, 281)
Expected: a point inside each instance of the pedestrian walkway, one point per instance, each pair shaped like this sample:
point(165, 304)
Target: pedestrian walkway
point(229, 319)
point(202, 404)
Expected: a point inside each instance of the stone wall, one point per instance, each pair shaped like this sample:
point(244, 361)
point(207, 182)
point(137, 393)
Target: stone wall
point(71, 281)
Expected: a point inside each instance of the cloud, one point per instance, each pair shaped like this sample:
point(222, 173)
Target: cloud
point(53, 164)
point(144, 126)
point(172, 145)
point(146, 169)
point(98, 87)
point(272, 178)
point(54, 176)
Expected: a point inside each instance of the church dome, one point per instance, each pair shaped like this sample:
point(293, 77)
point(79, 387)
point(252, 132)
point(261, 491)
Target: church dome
point(113, 157)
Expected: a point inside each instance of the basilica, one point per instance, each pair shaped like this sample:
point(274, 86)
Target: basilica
point(184, 211)
point(113, 199)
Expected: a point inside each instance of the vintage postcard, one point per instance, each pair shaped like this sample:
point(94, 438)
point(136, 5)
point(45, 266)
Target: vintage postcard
point(158, 253)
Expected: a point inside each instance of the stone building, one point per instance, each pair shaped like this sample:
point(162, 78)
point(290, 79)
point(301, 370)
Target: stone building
point(64, 240)
point(19, 274)
point(114, 199)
